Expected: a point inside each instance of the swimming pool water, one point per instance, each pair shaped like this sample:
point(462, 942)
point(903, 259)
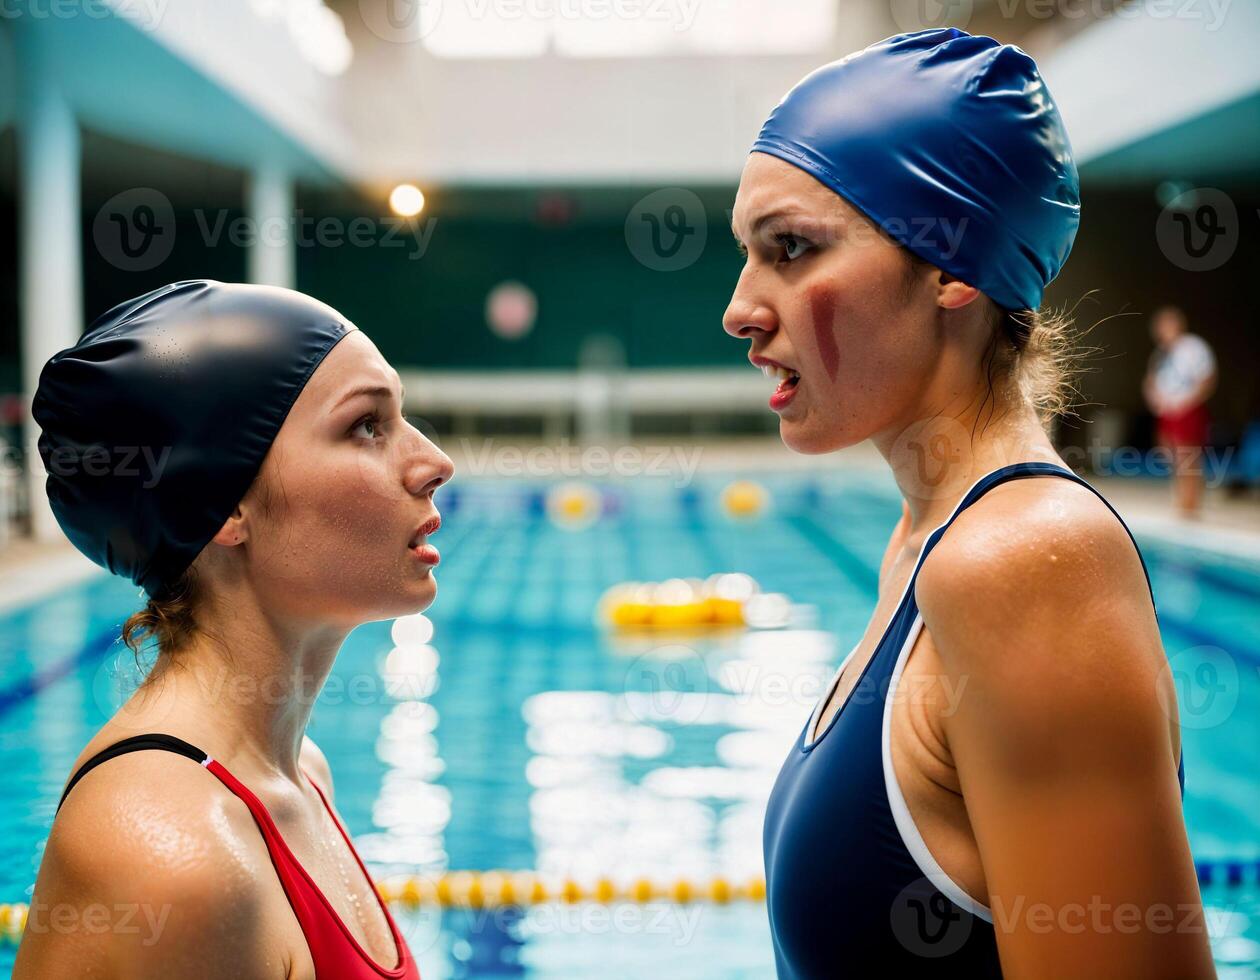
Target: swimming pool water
point(529, 738)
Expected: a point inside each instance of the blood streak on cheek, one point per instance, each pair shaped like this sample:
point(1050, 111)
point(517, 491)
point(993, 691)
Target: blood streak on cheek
point(822, 308)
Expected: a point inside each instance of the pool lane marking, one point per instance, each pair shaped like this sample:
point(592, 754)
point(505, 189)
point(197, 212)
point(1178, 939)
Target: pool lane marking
point(851, 566)
point(1219, 578)
point(28, 687)
point(1198, 636)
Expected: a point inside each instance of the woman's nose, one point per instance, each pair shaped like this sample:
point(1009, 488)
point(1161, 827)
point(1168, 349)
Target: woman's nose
point(746, 316)
point(428, 468)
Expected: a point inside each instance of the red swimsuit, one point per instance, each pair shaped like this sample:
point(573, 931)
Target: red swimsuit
point(335, 952)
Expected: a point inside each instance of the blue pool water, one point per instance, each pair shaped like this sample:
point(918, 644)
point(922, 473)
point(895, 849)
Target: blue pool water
point(529, 738)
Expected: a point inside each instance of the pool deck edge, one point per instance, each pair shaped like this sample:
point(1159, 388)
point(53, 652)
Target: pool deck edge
point(32, 572)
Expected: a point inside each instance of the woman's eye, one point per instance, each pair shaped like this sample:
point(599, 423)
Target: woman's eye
point(366, 428)
point(793, 247)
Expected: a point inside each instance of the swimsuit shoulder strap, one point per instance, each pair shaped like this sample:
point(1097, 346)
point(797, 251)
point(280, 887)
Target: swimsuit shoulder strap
point(136, 743)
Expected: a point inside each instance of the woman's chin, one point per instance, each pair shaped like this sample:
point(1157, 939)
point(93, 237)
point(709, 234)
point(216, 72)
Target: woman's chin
point(425, 593)
point(803, 438)
point(416, 597)
point(810, 439)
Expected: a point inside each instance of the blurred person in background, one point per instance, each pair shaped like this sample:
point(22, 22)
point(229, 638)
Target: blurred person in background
point(1179, 381)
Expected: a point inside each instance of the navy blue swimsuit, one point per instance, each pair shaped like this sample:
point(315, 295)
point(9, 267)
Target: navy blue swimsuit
point(851, 888)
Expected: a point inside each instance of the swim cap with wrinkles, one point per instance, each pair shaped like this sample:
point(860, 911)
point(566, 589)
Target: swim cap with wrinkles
point(952, 144)
point(156, 422)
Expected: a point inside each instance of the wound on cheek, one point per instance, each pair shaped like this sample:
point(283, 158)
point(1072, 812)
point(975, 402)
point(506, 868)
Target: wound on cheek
point(822, 308)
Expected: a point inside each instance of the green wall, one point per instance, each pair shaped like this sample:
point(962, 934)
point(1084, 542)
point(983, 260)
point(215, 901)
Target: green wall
point(429, 310)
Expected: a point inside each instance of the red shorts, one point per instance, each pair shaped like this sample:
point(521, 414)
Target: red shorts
point(1185, 428)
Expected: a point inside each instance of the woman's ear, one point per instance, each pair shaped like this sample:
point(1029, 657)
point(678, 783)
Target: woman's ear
point(235, 529)
point(953, 294)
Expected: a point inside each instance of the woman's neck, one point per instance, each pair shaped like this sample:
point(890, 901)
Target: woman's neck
point(242, 689)
point(954, 442)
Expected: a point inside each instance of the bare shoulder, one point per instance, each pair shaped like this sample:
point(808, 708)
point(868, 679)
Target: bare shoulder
point(166, 864)
point(1038, 582)
point(1062, 729)
point(1036, 595)
point(316, 765)
point(153, 803)
point(1031, 548)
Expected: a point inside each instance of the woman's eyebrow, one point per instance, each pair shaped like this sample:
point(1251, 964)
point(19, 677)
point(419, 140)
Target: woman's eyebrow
point(765, 219)
point(375, 391)
point(787, 210)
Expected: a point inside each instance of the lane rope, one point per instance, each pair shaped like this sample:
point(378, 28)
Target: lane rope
point(490, 889)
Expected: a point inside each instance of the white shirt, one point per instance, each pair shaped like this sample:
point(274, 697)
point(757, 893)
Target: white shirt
point(1181, 369)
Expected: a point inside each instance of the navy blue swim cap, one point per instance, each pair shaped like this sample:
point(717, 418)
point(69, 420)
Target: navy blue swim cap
point(156, 422)
point(950, 143)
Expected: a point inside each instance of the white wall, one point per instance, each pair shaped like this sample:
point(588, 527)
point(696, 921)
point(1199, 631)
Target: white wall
point(256, 63)
point(550, 118)
point(1153, 67)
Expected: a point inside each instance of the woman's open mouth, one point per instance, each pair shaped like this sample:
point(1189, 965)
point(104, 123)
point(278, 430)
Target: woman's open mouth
point(788, 381)
point(427, 554)
point(419, 545)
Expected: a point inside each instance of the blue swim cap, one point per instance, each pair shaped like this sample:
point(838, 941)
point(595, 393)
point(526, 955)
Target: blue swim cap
point(950, 143)
point(156, 422)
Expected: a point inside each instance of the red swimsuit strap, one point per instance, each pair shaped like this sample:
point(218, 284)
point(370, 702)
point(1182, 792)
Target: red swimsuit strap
point(336, 953)
point(334, 949)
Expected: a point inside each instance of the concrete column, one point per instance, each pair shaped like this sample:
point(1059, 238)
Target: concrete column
point(50, 277)
point(269, 201)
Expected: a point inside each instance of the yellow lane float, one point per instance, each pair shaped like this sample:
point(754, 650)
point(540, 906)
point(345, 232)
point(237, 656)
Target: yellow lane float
point(744, 499)
point(482, 889)
point(678, 603)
